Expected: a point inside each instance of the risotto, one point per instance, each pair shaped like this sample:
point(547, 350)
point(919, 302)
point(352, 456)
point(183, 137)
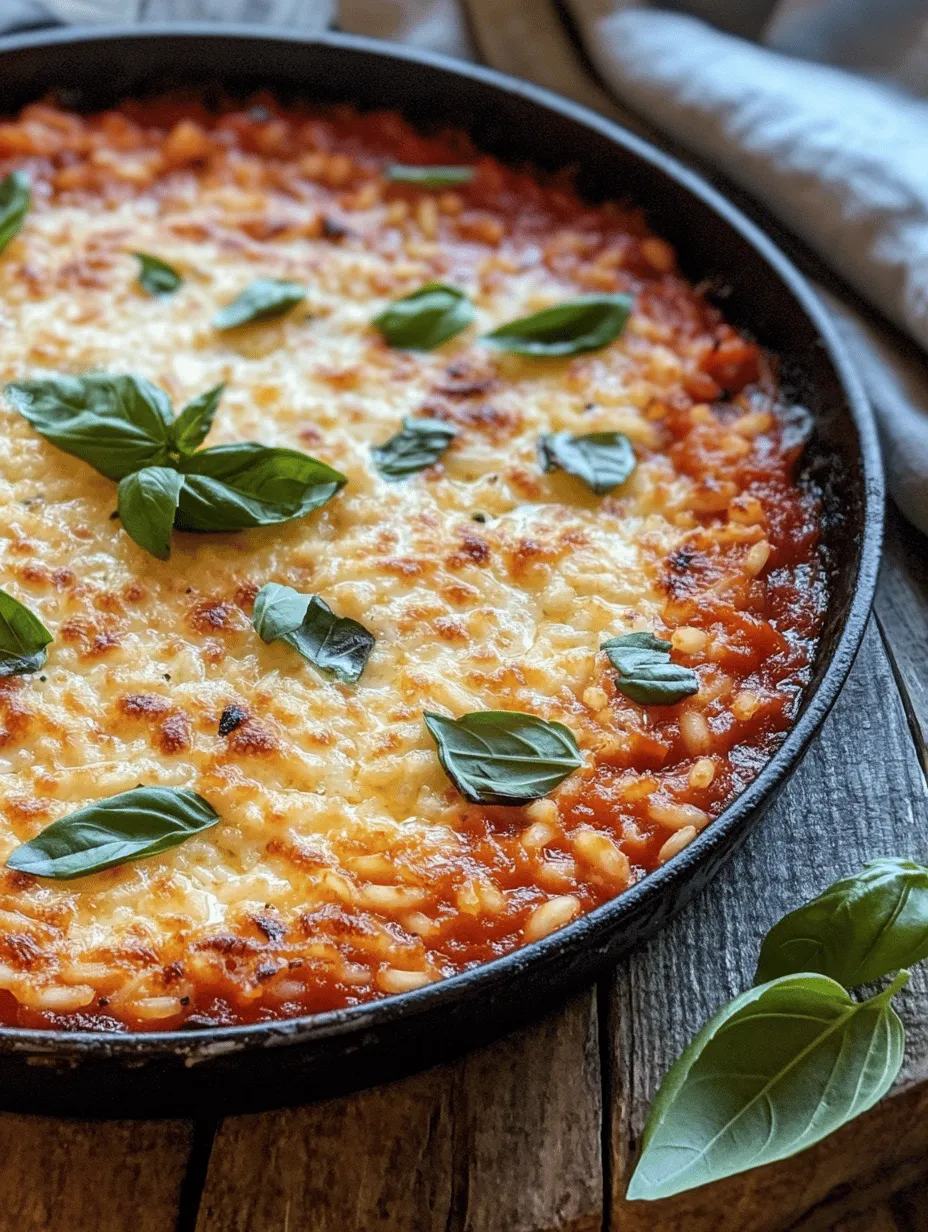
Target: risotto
point(347, 680)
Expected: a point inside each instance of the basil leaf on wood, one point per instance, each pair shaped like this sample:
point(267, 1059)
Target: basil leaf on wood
point(858, 930)
point(420, 444)
point(147, 501)
point(192, 425)
point(577, 325)
point(117, 424)
point(334, 644)
point(156, 276)
point(15, 199)
point(603, 460)
point(234, 487)
point(645, 672)
point(138, 823)
point(426, 318)
point(502, 756)
point(777, 1070)
point(428, 177)
point(23, 638)
point(262, 299)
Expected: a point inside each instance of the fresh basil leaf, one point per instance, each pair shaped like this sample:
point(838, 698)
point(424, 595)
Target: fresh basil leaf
point(262, 299)
point(192, 425)
point(147, 501)
point(23, 638)
point(138, 823)
point(117, 424)
point(156, 276)
point(427, 318)
point(645, 672)
point(15, 199)
point(858, 930)
point(603, 460)
point(332, 643)
point(234, 487)
point(428, 177)
point(578, 325)
point(420, 444)
point(778, 1069)
point(502, 756)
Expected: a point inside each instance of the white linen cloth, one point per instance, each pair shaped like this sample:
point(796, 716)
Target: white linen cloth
point(839, 154)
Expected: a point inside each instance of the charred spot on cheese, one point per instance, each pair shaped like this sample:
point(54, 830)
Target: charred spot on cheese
point(347, 866)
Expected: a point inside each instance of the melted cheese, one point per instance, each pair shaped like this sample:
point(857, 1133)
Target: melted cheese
point(345, 862)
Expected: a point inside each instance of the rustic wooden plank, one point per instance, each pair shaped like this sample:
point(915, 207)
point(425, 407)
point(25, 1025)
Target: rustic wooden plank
point(910, 1207)
point(91, 1176)
point(507, 1139)
point(859, 793)
point(902, 608)
point(879, 1219)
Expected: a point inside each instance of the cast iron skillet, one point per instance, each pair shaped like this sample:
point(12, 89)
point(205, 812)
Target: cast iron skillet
point(254, 1067)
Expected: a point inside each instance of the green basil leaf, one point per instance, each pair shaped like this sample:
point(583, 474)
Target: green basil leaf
point(23, 638)
point(427, 318)
point(645, 672)
point(147, 501)
point(156, 276)
point(191, 426)
point(781, 1067)
point(234, 487)
point(420, 444)
point(583, 324)
point(138, 823)
point(117, 424)
point(334, 644)
point(603, 460)
point(15, 199)
point(502, 756)
point(858, 930)
point(262, 299)
point(428, 177)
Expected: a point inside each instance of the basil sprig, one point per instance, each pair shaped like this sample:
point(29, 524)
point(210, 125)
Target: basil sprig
point(644, 671)
point(147, 502)
point(428, 177)
point(261, 300)
point(420, 444)
point(577, 325)
point(426, 318)
point(192, 425)
point(134, 824)
point(858, 930)
point(334, 644)
point(603, 460)
point(502, 756)
point(124, 427)
point(23, 638)
point(794, 1058)
point(156, 276)
point(781, 1067)
point(117, 424)
point(236, 487)
point(15, 199)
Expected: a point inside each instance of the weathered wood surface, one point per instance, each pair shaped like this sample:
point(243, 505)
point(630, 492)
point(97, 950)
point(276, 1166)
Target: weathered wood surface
point(902, 609)
point(83, 1176)
point(506, 1140)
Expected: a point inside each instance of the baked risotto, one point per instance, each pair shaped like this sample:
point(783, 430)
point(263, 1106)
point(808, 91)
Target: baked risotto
point(399, 558)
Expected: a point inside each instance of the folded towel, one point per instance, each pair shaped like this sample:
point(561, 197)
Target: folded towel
point(841, 157)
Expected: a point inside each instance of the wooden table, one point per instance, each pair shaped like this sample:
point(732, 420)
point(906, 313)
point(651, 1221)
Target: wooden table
point(538, 1133)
